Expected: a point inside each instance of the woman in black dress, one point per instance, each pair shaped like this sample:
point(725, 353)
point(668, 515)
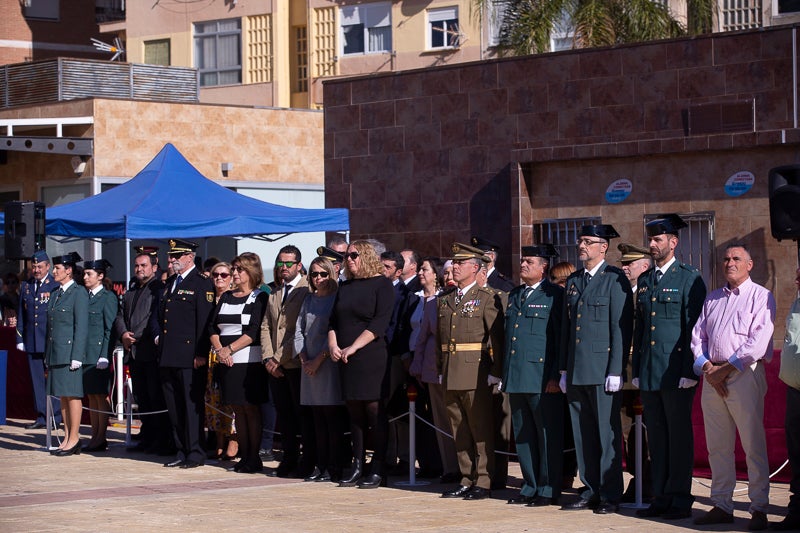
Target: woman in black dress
point(361, 313)
point(235, 339)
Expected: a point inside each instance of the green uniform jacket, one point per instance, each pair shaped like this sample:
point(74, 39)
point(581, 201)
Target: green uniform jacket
point(533, 330)
point(67, 326)
point(598, 324)
point(102, 312)
point(476, 320)
point(665, 316)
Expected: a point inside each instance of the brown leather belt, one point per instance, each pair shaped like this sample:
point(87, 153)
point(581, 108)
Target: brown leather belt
point(462, 347)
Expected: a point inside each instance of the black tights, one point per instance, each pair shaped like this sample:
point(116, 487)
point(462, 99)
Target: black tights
point(330, 423)
point(248, 433)
point(369, 417)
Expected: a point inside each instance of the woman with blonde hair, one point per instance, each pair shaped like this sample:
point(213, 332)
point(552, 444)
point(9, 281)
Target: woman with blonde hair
point(235, 328)
point(361, 313)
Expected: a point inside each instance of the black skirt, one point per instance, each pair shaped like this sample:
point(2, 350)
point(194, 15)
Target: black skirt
point(95, 381)
point(243, 383)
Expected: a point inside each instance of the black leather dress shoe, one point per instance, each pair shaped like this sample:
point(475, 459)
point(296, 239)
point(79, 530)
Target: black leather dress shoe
point(606, 508)
point(35, 425)
point(477, 493)
point(190, 464)
point(372, 481)
point(650, 512)
point(459, 492)
point(673, 513)
point(103, 446)
point(790, 523)
point(173, 464)
point(580, 505)
point(521, 500)
point(543, 501)
point(75, 450)
point(315, 475)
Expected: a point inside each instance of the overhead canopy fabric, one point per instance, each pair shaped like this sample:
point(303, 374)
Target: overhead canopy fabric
point(170, 198)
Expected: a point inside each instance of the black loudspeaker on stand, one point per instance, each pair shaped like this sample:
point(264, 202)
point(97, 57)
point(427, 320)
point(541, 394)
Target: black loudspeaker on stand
point(24, 228)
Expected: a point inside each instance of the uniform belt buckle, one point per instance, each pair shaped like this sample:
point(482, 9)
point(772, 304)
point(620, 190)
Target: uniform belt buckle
point(451, 347)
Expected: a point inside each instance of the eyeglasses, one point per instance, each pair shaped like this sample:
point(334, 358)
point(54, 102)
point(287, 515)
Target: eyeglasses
point(287, 264)
point(321, 274)
point(177, 255)
point(238, 269)
point(223, 275)
point(587, 242)
point(352, 255)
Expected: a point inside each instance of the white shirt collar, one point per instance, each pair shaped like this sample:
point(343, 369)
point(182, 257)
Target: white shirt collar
point(67, 285)
point(467, 288)
point(596, 268)
point(666, 267)
point(96, 290)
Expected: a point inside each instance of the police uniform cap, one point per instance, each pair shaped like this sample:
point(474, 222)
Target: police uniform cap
point(603, 231)
point(146, 250)
point(97, 264)
point(631, 252)
point(462, 251)
point(545, 250)
point(40, 256)
point(327, 253)
point(71, 259)
point(178, 246)
point(665, 224)
point(485, 245)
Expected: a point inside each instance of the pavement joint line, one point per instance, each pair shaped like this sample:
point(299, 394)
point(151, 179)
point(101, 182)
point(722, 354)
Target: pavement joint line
point(108, 493)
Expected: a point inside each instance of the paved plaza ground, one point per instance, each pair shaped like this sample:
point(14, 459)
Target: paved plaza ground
point(121, 491)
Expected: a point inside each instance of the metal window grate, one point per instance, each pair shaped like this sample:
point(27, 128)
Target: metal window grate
point(697, 244)
point(740, 14)
point(562, 233)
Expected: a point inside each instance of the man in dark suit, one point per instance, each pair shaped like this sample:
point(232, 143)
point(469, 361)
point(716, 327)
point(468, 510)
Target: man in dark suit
point(669, 301)
point(136, 327)
point(186, 305)
point(277, 345)
point(596, 339)
point(470, 321)
point(494, 278)
point(530, 377)
point(411, 266)
point(32, 330)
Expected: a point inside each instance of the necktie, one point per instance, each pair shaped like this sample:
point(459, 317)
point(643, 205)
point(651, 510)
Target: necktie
point(91, 295)
point(658, 276)
point(528, 291)
point(286, 289)
point(586, 278)
point(177, 282)
point(38, 286)
point(459, 295)
point(59, 292)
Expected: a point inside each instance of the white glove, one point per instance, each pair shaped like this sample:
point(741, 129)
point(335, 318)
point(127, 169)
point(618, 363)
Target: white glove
point(20, 347)
point(440, 379)
point(613, 383)
point(635, 383)
point(102, 363)
point(75, 365)
point(492, 380)
point(562, 382)
point(686, 383)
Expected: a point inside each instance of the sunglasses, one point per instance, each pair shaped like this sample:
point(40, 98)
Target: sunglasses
point(238, 269)
point(223, 275)
point(315, 275)
point(287, 264)
point(352, 255)
point(176, 255)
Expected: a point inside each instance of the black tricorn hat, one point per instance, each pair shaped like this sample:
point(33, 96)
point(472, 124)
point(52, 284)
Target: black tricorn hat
point(603, 231)
point(146, 250)
point(670, 224)
point(71, 259)
point(327, 253)
point(545, 250)
point(98, 264)
point(177, 246)
point(485, 245)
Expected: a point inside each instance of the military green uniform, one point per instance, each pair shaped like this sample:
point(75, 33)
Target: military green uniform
point(67, 333)
point(465, 332)
point(666, 312)
point(598, 323)
point(533, 329)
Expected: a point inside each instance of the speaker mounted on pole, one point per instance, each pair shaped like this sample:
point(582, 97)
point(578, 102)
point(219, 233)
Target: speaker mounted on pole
point(784, 202)
point(24, 229)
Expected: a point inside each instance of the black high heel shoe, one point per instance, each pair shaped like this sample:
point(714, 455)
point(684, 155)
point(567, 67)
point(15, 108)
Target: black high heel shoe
point(103, 446)
point(75, 450)
point(355, 474)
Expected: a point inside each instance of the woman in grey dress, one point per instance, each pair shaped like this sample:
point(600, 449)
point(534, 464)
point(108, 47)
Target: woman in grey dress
point(320, 386)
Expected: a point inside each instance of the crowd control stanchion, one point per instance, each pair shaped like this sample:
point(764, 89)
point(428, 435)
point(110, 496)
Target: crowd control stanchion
point(119, 376)
point(411, 392)
point(128, 410)
point(48, 423)
point(638, 457)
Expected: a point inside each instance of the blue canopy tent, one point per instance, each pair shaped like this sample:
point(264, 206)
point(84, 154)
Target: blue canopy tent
point(170, 198)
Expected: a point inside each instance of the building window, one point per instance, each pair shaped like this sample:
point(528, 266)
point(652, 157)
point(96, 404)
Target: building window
point(366, 28)
point(788, 6)
point(41, 9)
point(218, 52)
point(301, 57)
point(697, 244)
point(496, 14)
point(741, 14)
point(157, 52)
point(443, 28)
point(563, 234)
point(258, 44)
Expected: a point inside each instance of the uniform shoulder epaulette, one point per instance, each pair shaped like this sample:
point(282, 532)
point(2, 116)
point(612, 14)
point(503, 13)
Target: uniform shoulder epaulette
point(490, 290)
point(203, 275)
point(690, 268)
point(614, 269)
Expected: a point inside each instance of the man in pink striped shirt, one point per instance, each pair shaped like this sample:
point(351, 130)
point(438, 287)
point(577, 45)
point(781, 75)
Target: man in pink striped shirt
point(730, 341)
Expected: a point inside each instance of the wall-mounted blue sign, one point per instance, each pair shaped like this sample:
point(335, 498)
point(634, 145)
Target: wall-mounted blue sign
point(739, 183)
point(618, 191)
